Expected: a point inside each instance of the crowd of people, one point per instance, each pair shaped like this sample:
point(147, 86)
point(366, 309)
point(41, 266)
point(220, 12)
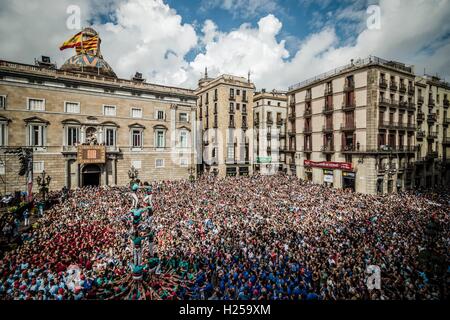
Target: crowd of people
point(246, 238)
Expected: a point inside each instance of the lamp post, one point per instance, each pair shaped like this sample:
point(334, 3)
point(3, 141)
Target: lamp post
point(43, 182)
point(133, 174)
point(191, 171)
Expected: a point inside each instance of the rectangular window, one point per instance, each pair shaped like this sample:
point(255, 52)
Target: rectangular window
point(137, 164)
point(2, 167)
point(238, 92)
point(36, 135)
point(231, 93)
point(230, 152)
point(136, 113)
point(2, 102)
point(183, 139)
point(160, 139)
point(231, 107)
point(184, 162)
point(183, 117)
point(38, 166)
point(109, 111)
point(72, 136)
point(244, 108)
point(159, 163)
point(160, 115)
point(36, 104)
point(3, 132)
point(244, 95)
point(72, 107)
point(110, 140)
point(136, 138)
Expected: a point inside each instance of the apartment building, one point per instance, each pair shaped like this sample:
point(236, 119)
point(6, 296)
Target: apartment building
point(88, 127)
point(433, 136)
point(354, 127)
point(225, 119)
point(270, 115)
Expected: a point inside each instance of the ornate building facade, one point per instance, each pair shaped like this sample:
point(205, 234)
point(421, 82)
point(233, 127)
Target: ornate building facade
point(88, 127)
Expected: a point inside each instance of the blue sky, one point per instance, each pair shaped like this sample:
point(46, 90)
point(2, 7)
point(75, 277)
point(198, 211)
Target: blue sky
point(280, 42)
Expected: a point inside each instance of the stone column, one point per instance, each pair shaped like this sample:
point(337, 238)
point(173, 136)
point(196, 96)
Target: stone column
point(78, 178)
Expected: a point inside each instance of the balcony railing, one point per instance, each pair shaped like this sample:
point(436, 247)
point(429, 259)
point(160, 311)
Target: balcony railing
point(327, 148)
point(446, 103)
point(280, 122)
point(393, 86)
point(432, 117)
point(403, 104)
point(308, 96)
point(244, 99)
point(378, 149)
point(388, 124)
point(307, 113)
point(383, 83)
point(431, 154)
point(327, 109)
point(384, 102)
point(215, 98)
point(410, 126)
point(307, 149)
point(232, 97)
point(348, 127)
point(292, 116)
point(420, 116)
point(430, 102)
point(231, 110)
point(347, 106)
point(411, 106)
point(328, 91)
point(349, 86)
point(327, 128)
point(256, 122)
point(231, 125)
point(292, 103)
point(446, 121)
point(446, 140)
point(402, 88)
point(307, 130)
point(420, 135)
point(432, 135)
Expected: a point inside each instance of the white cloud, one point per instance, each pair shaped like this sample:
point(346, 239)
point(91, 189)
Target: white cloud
point(150, 37)
point(243, 8)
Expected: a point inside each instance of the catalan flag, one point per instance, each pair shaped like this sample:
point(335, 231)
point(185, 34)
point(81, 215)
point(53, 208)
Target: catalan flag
point(73, 42)
point(90, 44)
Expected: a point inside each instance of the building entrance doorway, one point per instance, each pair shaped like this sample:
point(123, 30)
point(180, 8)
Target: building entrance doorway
point(91, 175)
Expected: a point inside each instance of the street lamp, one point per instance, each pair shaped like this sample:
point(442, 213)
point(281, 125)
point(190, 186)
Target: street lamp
point(133, 174)
point(43, 182)
point(191, 171)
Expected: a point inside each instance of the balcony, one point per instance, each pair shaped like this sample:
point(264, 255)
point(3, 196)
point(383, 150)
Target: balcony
point(420, 100)
point(307, 130)
point(387, 125)
point(403, 104)
point(328, 91)
point(292, 134)
point(215, 98)
point(432, 117)
point(327, 110)
point(410, 126)
point(446, 140)
point(348, 127)
point(384, 102)
point(256, 122)
point(327, 129)
point(307, 149)
point(446, 121)
point(383, 83)
point(231, 125)
point(431, 102)
point(420, 135)
point(308, 96)
point(244, 99)
point(402, 88)
point(446, 103)
point(280, 122)
point(232, 98)
point(348, 106)
point(411, 106)
point(244, 126)
point(292, 103)
point(349, 86)
point(411, 90)
point(432, 135)
point(292, 116)
point(420, 116)
point(231, 111)
point(329, 148)
point(307, 113)
point(393, 86)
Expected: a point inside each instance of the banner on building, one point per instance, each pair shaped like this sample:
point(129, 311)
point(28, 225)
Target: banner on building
point(328, 165)
point(91, 154)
